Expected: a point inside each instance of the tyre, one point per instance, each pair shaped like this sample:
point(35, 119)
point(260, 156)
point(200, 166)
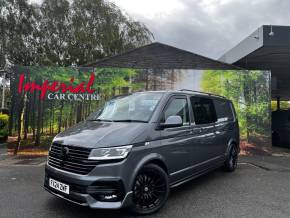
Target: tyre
point(150, 190)
point(231, 162)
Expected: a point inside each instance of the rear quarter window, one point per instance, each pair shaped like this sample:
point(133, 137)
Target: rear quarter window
point(203, 110)
point(223, 110)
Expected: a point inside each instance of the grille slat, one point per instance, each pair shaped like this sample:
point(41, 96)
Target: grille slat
point(82, 172)
point(77, 153)
point(54, 153)
point(78, 161)
point(75, 161)
point(73, 151)
point(72, 148)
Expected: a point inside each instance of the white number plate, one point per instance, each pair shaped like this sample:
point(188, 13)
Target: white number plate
point(59, 186)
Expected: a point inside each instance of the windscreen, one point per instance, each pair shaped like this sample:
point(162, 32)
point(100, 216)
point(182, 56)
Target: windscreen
point(131, 108)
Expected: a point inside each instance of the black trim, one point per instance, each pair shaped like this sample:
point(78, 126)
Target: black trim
point(211, 167)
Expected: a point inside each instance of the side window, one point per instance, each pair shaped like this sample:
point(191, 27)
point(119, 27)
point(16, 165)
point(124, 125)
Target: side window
point(179, 107)
point(223, 110)
point(203, 110)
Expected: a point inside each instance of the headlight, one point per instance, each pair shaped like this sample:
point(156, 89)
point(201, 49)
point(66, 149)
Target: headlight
point(110, 153)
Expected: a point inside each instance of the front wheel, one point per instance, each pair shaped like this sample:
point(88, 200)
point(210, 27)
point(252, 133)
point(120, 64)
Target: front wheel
point(231, 162)
point(150, 190)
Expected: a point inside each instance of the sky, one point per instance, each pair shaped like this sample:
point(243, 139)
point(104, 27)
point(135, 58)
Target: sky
point(206, 27)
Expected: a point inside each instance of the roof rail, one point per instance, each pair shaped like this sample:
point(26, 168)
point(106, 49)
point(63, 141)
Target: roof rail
point(204, 93)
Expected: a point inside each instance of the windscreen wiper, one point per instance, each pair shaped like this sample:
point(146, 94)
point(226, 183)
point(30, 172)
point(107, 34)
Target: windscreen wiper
point(101, 120)
point(130, 120)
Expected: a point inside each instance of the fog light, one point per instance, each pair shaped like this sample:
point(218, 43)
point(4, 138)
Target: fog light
point(109, 191)
point(108, 197)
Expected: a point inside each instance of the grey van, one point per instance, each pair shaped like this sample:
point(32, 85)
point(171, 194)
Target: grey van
point(132, 151)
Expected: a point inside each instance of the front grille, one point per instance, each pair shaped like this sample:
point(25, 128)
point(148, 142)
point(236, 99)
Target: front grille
point(71, 158)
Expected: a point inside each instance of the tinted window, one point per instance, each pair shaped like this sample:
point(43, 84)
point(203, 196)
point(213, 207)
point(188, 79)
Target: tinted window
point(203, 110)
point(179, 107)
point(223, 110)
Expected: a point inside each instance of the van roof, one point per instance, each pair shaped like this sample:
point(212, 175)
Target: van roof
point(187, 91)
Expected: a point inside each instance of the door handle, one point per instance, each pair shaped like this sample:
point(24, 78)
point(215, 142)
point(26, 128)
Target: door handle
point(196, 130)
point(199, 130)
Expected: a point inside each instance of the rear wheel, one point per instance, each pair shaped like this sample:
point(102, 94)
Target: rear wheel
point(150, 190)
point(231, 162)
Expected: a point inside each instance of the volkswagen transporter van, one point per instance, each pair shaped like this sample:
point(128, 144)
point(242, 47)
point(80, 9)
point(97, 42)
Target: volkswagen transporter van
point(132, 151)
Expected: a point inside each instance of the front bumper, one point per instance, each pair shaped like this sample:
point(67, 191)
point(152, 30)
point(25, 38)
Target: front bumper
point(98, 192)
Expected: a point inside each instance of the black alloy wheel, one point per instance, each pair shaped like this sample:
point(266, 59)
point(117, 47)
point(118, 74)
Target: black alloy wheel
point(231, 162)
point(150, 190)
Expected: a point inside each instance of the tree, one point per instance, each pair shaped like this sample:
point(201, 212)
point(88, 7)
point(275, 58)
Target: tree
point(63, 32)
point(55, 32)
point(101, 29)
point(20, 32)
point(59, 33)
point(3, 34)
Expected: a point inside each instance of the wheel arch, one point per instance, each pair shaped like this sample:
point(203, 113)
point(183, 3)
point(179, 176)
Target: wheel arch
point(153, 158)
point(232, 142)
point(159, 163)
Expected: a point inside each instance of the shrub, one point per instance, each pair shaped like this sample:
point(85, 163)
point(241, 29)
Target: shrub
point(3, 125)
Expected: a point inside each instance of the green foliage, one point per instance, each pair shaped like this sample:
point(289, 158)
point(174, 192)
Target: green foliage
point(63, 32)
point(250, 93)
point(283, 105)
point(3, 125)
point(109, 78)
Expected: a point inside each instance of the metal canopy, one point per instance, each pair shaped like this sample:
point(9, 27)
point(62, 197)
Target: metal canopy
point(268, 48)
point(161, 56)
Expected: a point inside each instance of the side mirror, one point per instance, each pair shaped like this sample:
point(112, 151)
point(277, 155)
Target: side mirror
point(172, 121)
